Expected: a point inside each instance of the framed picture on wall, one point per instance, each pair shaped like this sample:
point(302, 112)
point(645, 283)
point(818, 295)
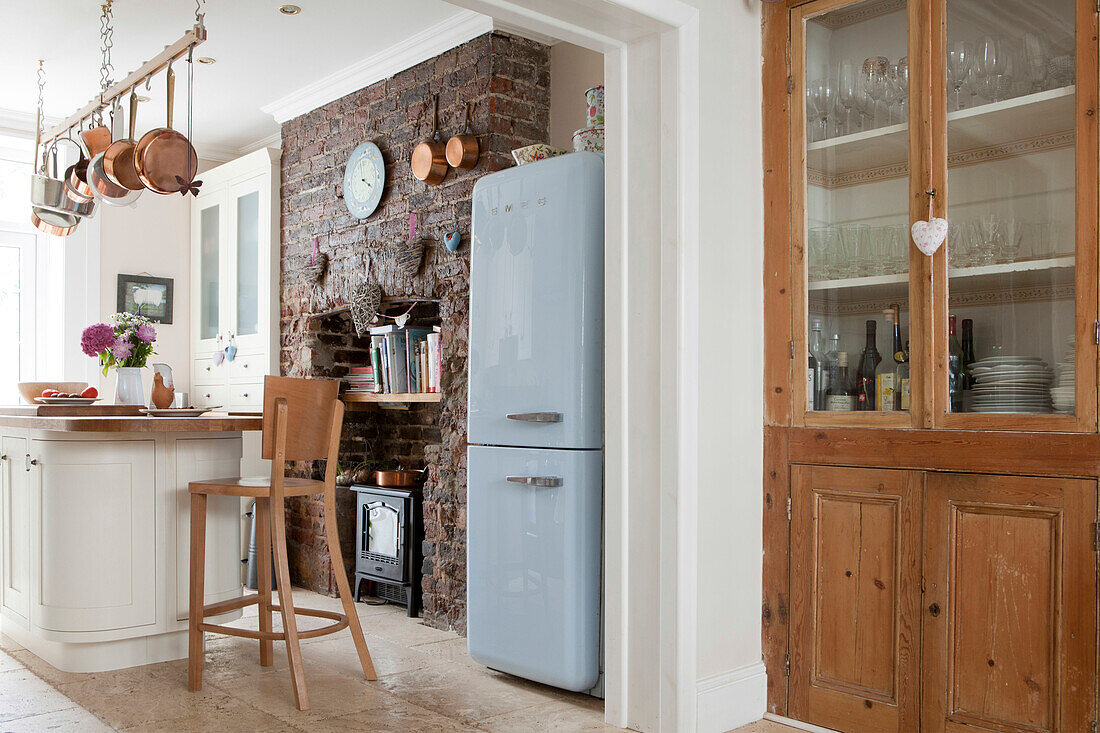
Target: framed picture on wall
point(146, 296)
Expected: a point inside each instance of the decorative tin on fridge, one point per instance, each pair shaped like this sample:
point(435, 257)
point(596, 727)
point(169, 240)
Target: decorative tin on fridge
point(594, 97)
point(590, 139)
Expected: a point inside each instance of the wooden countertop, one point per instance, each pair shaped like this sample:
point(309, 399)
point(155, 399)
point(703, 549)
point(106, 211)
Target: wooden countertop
point(25, 417)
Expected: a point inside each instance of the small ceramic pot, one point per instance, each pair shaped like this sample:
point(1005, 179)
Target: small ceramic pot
point(594, 98)
point(538, 151)
point(590, 139)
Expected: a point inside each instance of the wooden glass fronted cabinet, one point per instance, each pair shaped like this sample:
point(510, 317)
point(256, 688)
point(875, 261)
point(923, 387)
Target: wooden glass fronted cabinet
point(931, 446)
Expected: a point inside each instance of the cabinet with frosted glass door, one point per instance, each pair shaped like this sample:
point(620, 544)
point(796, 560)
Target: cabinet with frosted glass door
point(968, 111)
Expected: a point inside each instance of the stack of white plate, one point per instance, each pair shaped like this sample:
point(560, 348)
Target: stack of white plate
point(1062, 393)
point(1011, 384)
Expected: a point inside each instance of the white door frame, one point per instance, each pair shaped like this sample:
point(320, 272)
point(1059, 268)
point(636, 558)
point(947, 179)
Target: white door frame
point(651, 51)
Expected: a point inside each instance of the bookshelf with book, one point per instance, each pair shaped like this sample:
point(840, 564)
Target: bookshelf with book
point(405, 366)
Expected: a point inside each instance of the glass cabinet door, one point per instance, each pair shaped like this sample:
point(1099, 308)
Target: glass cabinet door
point(250, 261)
point(209, 269)
point(850, 145)
point(1016, 202)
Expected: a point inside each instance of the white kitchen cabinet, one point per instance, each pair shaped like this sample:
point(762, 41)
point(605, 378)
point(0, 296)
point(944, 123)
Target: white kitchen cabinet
point(15, 534)
point(235, 279)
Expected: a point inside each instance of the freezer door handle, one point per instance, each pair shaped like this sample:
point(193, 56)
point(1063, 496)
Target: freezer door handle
point(540, 481)
point(535, 416)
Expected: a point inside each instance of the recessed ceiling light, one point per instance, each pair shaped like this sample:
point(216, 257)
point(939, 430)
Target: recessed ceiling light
point(289, 9)
point(143, 98)
point(206, 60)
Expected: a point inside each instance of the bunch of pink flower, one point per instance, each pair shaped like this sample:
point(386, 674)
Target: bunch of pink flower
point(127, 343)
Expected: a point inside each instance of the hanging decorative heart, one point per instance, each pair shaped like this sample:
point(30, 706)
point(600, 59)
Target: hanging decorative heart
point(364, 306)
point(929, 235)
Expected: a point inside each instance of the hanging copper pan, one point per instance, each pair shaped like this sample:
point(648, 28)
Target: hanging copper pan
point(96, 140)
point(429, 159)
point(165, 159)
point(118, 160)
point(463, 150)
point(52, 222)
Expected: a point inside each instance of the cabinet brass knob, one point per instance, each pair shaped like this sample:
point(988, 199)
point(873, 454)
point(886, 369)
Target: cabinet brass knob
point(934, 609)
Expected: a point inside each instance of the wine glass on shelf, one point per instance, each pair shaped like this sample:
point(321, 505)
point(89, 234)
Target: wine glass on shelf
point(960, 58)
point(875, 85)
point(899, 85)
point(826, 105)
point(847, 89)
point(813, 97)
point(991, 62)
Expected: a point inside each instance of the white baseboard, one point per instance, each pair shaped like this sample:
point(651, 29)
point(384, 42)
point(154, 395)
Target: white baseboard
point(797, 724)
point(731, 699)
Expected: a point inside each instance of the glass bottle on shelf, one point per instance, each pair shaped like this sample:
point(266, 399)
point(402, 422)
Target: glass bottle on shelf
point(886, 377)
point(956, 378)
point(832, 361)
point(904, 382)
point(840, 397)
point(865, 373)
point(817, 386)
point(968, 351)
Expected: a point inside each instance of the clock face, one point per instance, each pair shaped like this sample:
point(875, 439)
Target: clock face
point(364, 179)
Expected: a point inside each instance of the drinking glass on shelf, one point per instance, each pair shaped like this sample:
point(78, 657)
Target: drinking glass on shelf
point(852, 248)
point(1034, 61)
point(816, 269)
point(894, 249)
point(991, 62)
point(990, 239)
point(832, 257)
point(826, 104)
point(956, 246)
point(846, 93)
point(813, 110)
point(1011, 236)
point(899, 85)
point(959, 60)
point(875, 71)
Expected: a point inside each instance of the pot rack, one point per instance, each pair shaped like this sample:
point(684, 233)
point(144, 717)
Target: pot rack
point(155, 65)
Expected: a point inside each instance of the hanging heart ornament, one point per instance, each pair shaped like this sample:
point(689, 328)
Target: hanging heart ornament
point(929, 235)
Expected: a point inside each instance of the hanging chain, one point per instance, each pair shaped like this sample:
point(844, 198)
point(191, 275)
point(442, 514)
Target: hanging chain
point(107, 35)
point(40, 117)
point(199, 15)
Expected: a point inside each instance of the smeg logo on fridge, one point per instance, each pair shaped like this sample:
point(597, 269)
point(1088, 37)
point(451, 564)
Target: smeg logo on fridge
point(540, 201)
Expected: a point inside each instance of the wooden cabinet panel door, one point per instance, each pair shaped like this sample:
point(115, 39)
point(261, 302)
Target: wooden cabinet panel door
point(855, 598)
point(1009, 618)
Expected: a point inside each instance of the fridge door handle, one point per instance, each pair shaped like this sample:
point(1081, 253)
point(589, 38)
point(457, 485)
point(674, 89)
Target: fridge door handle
point(535, 416)
point(540, 481)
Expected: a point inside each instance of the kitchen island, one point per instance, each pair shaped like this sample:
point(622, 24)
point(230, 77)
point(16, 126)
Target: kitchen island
point(94, 534)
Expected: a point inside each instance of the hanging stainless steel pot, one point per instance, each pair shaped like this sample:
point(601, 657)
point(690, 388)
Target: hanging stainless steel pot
point(51, 194)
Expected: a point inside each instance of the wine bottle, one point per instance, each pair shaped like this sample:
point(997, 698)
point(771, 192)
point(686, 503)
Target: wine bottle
point(904, 384)
point(817, 381)
point(832, 360)
point(865, 373)
point(886, 376)
point(840, 397)
point(968, 352)
point(955, 377)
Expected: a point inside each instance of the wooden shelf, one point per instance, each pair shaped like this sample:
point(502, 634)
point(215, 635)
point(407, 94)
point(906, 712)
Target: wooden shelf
point(367, 401)
point(1028, 117)
point(1006, 277)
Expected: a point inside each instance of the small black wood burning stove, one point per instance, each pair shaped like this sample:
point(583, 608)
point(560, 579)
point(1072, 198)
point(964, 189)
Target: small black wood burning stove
point(388, 533)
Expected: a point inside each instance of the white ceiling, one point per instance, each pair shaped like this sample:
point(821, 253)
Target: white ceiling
point(262, 56)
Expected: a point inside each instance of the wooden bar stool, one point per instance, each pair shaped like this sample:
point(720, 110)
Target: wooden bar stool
point(302, 422)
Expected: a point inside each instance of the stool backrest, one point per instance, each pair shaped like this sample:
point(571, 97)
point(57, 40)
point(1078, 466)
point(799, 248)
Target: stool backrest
point(311, 404)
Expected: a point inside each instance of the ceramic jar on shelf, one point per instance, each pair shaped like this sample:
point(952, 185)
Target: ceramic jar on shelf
point(591, 136)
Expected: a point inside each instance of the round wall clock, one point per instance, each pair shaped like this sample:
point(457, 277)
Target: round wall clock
point(364, 178)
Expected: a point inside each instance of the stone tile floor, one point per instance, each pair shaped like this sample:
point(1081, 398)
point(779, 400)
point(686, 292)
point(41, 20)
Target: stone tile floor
point(426, 683)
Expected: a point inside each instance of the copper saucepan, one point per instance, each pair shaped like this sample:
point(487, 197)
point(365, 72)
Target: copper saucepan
point(429, 158)
point(463, 150)
point(118, 159)
point(52, 222)
point(401, 478)
point(103, 188)
point(165, 160)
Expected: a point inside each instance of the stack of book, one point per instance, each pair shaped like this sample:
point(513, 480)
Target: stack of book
point(407, 359)
point(360, 380)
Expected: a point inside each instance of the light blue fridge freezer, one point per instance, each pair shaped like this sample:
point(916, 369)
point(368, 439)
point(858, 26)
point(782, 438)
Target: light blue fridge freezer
point(535, 461)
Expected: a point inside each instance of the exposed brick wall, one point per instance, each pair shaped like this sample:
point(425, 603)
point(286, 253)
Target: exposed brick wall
point(507, 82)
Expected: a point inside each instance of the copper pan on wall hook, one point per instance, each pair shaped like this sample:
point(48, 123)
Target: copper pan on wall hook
point(463, 150)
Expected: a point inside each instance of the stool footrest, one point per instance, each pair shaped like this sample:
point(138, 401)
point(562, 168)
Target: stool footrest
point(340, 622)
